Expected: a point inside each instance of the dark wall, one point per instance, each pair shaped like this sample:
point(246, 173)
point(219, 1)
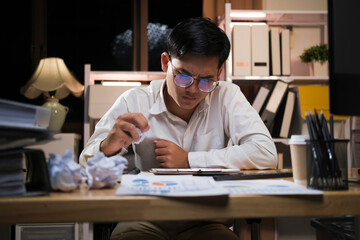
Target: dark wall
point(15, 48)
point(80, 32)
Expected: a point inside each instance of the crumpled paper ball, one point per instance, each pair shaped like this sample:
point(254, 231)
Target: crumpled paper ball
point(64, 172)
point(104, 171)
point(100, 171)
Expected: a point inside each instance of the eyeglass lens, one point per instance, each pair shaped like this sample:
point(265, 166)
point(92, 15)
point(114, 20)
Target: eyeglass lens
point(204, 85)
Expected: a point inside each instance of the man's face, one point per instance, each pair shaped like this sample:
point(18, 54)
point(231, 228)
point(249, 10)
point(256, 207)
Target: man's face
point(195, 65)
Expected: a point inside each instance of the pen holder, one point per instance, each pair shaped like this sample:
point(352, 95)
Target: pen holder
point(326, 163)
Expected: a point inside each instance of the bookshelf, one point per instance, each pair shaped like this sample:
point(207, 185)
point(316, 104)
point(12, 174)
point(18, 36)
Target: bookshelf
point(289, 19)
point(288, 79)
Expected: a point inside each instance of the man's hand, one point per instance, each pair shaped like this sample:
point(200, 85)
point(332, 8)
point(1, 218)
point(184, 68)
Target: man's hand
point(124, 132)
point(170, 155)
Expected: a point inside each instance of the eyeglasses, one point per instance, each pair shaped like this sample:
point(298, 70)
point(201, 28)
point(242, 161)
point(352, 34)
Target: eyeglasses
point(183, 80)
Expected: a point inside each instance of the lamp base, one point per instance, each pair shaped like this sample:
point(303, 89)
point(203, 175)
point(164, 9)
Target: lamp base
point(58, 113)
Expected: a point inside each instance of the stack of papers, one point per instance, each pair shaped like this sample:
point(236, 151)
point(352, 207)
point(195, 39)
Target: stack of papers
point(267, 187)
point(12, 182)
point(197, 171)
point(171, 186)
point(200, 186)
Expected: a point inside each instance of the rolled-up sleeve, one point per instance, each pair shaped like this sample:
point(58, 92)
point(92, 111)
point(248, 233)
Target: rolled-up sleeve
point(102, 129)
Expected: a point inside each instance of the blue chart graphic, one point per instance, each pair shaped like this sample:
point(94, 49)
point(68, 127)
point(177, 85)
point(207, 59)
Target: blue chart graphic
point(278, 186)
point(140, 182)
point(164, 183)
point(157, 187)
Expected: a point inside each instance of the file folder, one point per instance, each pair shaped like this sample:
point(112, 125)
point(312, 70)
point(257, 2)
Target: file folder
point(260, 50)
point(275, 51)
point(273, 104)
point(241, 50)
point(288, 113)
point(262, 96)
point(285, 52)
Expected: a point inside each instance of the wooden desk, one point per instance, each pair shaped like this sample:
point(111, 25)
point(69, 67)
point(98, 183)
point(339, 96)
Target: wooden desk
point(104, 206)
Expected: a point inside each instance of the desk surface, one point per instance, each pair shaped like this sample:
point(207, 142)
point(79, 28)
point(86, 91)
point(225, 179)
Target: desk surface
point(104, 206)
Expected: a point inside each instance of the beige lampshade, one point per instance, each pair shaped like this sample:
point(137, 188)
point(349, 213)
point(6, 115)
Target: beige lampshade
point(52, 75)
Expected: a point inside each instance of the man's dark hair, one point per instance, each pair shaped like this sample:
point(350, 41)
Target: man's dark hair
point(201, 36)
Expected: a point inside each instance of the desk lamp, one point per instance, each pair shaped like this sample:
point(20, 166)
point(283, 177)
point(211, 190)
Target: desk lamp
point(54, 80)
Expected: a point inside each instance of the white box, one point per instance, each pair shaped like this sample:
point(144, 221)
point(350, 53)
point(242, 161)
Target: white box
point(260, 50)
point(241, 46)
point(275, 51)
point(285, 52)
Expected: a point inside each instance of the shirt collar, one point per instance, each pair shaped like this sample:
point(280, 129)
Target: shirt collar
point(159, 105)
point(204, 104)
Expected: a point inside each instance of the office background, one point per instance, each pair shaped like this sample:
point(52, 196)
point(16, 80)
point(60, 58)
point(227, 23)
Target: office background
point(80, 32)
point(98, 33)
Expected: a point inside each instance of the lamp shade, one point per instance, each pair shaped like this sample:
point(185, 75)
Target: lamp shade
point(52, 75)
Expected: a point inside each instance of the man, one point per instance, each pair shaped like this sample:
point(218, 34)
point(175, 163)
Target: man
point(188, 120)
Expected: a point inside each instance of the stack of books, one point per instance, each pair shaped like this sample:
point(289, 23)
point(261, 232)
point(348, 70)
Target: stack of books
point(21, 125)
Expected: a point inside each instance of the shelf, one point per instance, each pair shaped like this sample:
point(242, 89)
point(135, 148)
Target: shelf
point(280, 18)
point(312, 18)
point(287, 79)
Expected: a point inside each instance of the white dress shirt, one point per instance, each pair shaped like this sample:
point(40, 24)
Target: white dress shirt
point(224, 114)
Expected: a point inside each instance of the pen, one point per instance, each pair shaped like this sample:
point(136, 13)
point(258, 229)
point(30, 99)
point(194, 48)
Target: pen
point(332, 127)
point(314, 169)
point(134, 171)
point(318, 175)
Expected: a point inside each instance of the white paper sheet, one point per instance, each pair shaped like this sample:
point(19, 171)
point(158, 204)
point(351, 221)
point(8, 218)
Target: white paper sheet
point(196, 186)
point(170, 186)
point(200, 171)
point(267, 187)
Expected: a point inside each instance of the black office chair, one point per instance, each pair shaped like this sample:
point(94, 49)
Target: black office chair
point(102, 231)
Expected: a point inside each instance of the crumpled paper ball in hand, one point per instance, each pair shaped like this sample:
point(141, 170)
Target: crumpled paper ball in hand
point(104, 171)
point(65, 173)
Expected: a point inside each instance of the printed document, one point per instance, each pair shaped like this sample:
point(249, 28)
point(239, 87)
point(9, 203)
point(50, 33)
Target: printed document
point(170, 186)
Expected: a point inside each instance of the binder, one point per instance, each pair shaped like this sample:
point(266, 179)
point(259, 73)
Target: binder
point(288, 120)
point(298, 125)
point(285, 52)
point(23, 124)
point(12, 182)
point(260, 50)
point(241, 50)
point(262, 96)
point(17, 137)
point(273, 104)
point(275, 51)
point(278, 119)
point(15, 182)
point(287, 116)
point(16, 114)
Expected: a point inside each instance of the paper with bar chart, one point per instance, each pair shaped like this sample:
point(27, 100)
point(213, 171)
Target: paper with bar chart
point(171, 186)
